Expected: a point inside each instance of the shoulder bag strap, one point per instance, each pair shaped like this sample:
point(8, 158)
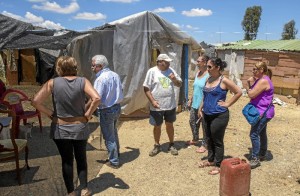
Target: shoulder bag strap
point(267, 108)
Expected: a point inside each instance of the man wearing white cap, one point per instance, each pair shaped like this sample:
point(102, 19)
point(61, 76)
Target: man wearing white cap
point(159, 89)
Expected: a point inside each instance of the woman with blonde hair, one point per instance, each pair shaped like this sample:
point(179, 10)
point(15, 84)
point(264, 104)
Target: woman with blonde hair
point(261, 95)
point(69, 115)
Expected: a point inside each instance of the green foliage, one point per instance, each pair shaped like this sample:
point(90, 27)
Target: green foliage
point(251, 22)
point(289, 31)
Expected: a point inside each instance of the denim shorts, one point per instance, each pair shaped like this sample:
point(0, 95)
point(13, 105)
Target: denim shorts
point(157, 117)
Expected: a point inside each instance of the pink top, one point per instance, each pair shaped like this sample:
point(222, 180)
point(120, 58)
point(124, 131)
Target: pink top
point(262, 101)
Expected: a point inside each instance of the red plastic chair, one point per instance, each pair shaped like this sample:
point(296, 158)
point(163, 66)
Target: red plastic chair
point(13, 99)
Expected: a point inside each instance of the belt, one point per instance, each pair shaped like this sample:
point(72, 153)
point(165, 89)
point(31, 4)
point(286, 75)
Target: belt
point(117, 104)
point(70, 120)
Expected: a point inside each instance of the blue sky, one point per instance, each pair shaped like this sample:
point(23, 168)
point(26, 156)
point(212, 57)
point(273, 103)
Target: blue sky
point(212, 21)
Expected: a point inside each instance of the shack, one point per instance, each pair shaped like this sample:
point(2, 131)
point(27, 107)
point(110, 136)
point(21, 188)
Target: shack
point(282, 57)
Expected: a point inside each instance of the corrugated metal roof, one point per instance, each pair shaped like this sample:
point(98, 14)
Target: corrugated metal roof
point(277, 45)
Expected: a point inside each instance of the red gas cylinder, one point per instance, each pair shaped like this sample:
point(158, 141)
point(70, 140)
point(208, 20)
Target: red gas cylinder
point(235, 177)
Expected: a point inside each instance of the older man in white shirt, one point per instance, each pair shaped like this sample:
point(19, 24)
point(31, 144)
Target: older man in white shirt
point(109, 87)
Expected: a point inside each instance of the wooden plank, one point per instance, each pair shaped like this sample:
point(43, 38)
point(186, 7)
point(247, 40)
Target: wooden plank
point(288, 71)
point(271, 58)
point(276, 72)
point(289, 55)
point(246, 76)
point(250, 61)
point(28, 66)
point(290, 63)
point(282, 82)
point(289, 60)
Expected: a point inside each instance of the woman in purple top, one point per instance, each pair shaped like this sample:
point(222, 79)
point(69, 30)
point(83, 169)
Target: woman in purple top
point(261, 95)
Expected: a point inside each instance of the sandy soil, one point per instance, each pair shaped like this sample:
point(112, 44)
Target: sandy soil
point(165, 174)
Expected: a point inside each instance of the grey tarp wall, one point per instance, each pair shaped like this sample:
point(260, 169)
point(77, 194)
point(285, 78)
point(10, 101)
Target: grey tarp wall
point(84, 47)
point(11, 29)
point(15, 34)
point(128, 44)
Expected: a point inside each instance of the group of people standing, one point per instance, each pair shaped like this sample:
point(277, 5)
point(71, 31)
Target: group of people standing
point(75, 99)
point(208, 106)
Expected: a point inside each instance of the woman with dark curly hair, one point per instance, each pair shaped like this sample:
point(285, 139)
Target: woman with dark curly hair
point(215, 113)
point(69, 128)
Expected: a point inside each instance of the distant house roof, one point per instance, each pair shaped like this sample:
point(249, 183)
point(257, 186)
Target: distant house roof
point(274, 45)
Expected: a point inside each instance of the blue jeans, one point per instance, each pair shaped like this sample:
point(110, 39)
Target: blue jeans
point(259, 139)
point(108, 123)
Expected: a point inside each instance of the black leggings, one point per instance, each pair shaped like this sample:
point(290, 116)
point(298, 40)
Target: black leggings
point(215, 126)
point(66, 147)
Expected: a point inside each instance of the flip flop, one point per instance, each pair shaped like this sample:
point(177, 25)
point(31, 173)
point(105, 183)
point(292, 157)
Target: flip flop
point(191, 142)
point(202, 149)
point(205, 164)
point(214, 171)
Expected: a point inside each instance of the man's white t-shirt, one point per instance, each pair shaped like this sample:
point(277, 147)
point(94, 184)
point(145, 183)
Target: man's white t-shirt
point(161, 88)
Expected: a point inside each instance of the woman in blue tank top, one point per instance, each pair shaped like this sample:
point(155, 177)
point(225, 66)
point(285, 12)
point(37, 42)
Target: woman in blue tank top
point(214, 112)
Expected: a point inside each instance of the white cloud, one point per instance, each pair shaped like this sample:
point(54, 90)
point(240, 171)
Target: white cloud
point(36, 1)
point(191, 27)
point(35, 20)
point(165, 9)
point(90, 16)
point(54, 7)
point(197, 12)
point(13, 15)
point(120, 1)
point(176, 25)
point(51, 25)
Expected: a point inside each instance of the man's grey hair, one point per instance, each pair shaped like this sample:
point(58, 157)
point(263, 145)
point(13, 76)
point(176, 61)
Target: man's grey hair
point(100, 60)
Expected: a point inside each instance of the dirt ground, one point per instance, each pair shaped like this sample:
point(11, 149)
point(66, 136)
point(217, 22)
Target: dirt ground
point(164, 174)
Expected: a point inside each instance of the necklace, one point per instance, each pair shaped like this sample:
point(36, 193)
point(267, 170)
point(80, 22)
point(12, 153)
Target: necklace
point(200, 73)
point(212, 88)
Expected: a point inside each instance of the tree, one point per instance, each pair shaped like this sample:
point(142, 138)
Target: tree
point(251, 22)
point(289, 31)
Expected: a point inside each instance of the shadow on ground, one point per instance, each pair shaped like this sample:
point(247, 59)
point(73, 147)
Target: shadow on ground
point(44, 176)
point(105, 181)
point(9, 178)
